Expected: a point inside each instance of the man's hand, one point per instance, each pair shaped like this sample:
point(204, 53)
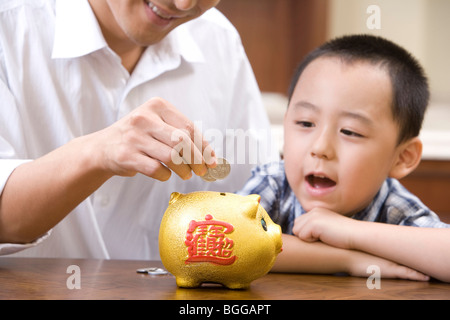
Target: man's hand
point(154, 140)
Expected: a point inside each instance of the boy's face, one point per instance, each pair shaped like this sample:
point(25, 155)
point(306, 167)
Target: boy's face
point(340, 136)
point(147, 22)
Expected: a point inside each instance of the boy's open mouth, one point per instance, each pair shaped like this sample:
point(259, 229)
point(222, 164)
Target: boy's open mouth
point(319, 181)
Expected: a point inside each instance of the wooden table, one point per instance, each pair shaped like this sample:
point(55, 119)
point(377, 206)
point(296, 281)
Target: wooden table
point(45, 278)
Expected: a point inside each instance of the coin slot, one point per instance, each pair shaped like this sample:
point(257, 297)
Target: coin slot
point(222, 193)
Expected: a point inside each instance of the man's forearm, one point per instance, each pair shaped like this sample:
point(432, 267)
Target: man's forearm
point(41, 193)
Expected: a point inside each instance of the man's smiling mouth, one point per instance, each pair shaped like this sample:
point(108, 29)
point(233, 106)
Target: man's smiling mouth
point(158, 11)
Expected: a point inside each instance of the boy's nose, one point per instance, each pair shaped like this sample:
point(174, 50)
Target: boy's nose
point(185, 4)
point(324, 146)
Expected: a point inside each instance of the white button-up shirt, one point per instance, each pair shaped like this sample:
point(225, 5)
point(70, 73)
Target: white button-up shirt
point(59, 80)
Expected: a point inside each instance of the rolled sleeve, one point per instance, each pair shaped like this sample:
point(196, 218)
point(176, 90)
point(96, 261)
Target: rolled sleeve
point(10, 248)
point(7, 166)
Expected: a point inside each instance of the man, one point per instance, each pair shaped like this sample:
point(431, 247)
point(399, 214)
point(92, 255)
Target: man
point(95, 97)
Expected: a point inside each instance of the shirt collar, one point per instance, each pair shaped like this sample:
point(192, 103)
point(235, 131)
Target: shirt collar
point(75, 39)
point(167, 55)
point(77, 31)
point(373, 210)
point(183, 43)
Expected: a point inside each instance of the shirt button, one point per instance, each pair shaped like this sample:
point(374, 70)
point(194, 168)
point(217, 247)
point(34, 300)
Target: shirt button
point(104, 200)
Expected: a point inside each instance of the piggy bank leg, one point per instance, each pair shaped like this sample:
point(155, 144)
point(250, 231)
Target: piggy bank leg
point(236, 285)
point(187, 282)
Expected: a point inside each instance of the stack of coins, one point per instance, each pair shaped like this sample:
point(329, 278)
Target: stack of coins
point(221, 171)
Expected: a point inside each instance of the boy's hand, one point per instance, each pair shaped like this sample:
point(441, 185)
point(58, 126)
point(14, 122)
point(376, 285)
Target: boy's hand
point(336, 230)
point(358, 263)
point(327, 226)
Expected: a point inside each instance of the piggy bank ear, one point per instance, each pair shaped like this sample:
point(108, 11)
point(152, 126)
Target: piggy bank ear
point(255, 197)
point(250, 208)
point(174, 197)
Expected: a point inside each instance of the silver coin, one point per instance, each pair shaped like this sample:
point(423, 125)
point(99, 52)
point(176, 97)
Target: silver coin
point(221, 171)
point(207, 177)
point(152, 271)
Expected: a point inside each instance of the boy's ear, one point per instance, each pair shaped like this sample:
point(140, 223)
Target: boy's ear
point(408, 158)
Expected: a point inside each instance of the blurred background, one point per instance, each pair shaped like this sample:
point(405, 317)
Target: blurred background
point(277, 34)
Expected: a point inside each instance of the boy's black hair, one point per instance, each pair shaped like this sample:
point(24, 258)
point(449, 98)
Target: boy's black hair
point(409, 82)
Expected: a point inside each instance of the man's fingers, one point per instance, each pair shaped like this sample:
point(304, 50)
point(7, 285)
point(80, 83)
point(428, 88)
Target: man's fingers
point(184, 150)
point(149, 167)
point(185, 128)
point(169, 140)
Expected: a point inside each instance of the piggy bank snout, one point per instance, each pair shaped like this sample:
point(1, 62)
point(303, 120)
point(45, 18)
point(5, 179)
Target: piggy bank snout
point(277, 238)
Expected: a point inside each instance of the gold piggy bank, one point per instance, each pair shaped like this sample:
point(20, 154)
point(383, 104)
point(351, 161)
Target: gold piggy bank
point(216, 237)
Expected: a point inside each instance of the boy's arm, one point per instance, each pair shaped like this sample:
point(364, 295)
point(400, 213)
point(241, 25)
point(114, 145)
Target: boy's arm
point(423, 249)
point(299, 256)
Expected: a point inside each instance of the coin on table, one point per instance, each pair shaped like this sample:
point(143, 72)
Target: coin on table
point(221, 171)
point(152, 271)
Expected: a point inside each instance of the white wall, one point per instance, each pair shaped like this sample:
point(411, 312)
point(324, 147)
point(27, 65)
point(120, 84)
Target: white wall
point(420, 26)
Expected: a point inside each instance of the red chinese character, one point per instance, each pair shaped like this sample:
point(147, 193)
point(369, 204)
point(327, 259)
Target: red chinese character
point(206, 242)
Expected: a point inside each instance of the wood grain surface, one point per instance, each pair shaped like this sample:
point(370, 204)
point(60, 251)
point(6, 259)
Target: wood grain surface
point(45, 278)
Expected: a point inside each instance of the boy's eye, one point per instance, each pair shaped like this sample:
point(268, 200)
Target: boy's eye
point(351, 133)
point(305, 124)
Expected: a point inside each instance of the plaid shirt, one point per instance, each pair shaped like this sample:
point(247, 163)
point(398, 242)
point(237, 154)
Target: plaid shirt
point(393, 204)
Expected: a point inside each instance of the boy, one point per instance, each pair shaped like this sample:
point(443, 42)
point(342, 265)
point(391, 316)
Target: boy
point(356, 106)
